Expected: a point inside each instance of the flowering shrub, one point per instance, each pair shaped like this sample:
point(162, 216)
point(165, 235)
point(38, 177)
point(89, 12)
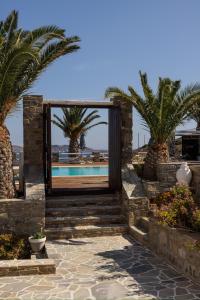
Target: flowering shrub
point(12, 247)
point(178, 208)
point(177, 192)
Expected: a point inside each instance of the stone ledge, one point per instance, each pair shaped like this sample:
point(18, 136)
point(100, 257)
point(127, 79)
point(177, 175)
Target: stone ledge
point(27, 267)
point(170, 163)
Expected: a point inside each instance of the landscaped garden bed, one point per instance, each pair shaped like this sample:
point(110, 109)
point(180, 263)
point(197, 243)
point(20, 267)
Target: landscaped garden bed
point(174, 229)
point(177, 208)
point(16, 258)
point(14, 247)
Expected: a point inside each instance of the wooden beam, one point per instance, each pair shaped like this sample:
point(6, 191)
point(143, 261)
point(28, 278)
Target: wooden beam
point(89, 104)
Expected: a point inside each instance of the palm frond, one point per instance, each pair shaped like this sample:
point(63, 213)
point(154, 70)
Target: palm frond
point(75, 122)
point(24, 55)
point(163, 111)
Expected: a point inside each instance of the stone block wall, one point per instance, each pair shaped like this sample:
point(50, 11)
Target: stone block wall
point(27, 215)
point(27, 267)
point(126, 130)
point(177, 246)
point(166, 173)
point(33, 138)
point(134, 201)
point(21, 216)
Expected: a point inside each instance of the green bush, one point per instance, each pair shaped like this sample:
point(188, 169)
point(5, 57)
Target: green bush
point(13, 247)
point(196, 220)
point(177, 208)
point(38, 235)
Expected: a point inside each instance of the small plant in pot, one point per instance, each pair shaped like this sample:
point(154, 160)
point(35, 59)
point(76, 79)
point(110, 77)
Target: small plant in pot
point(37, 241)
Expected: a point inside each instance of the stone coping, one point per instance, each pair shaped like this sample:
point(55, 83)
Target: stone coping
point(179, 163)
point(27, 267)
point(189, 234)
point(12, 200)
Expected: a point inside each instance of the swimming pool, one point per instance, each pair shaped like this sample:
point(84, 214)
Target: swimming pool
point(80, 171)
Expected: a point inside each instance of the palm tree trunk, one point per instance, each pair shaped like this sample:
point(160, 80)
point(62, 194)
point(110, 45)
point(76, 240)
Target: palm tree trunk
point(198, 124)
point(73, 146)
point(7, 186)
point(157, 153)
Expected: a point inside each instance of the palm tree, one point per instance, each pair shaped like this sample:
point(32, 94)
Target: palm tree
point(194, 112)
point(82, 141)
point(162, 112)
point(24, 55)
point(76, 123)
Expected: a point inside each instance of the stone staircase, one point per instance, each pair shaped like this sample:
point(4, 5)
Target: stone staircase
point(83, 216)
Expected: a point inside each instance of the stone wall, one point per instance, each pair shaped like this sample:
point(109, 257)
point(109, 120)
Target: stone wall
point(166, 173)
point(177, 246)
point(134, 201)
point(126, 130)
point(27, 267)
point(27, 215)
point(33, 138)
point(21, 216)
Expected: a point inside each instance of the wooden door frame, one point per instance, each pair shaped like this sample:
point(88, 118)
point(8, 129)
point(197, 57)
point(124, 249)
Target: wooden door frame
point(114, 144)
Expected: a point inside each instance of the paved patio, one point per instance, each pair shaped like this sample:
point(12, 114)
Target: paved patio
point(103, 268)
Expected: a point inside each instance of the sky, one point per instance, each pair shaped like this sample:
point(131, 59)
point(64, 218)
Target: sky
point(118, 38)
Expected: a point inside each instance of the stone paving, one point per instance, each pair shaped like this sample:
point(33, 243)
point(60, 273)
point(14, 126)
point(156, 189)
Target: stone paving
point(103, 268)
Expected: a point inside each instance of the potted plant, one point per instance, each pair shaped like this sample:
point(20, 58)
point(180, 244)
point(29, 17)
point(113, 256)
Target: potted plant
point(37, 241)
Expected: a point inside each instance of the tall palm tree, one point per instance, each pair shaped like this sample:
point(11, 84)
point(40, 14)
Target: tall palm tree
point(162, 112)
point(24, 55)
point(75, 123)
point(194, 111)
point(82, 141)
point(194, 114)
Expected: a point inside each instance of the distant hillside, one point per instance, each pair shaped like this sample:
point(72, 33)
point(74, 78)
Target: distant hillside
point(17, 149)
point(64, 148)
point(59, 148)
point(56, 148)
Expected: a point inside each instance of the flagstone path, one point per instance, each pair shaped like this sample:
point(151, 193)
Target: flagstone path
point(103, 268)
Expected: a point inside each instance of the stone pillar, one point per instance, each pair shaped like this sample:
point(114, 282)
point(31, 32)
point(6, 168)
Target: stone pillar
point(33, 138)
point(126, 130)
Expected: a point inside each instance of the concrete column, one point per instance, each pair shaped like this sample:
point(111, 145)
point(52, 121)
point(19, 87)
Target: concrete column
point(33, 138)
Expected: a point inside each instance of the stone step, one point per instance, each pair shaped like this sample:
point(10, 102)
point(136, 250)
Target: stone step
point(143, 224)
point(83, 220)
point(77, 201)
point(138, 234)
point(83, 211)
point(85, 231)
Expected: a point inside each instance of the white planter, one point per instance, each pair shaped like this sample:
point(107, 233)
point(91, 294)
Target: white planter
point(37, 244)
point(184, 174)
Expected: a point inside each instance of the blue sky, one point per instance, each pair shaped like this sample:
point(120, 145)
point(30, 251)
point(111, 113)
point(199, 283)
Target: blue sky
point(118, 38)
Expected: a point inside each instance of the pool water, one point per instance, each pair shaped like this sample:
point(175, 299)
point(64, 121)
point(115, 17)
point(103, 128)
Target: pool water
point(80, 171)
